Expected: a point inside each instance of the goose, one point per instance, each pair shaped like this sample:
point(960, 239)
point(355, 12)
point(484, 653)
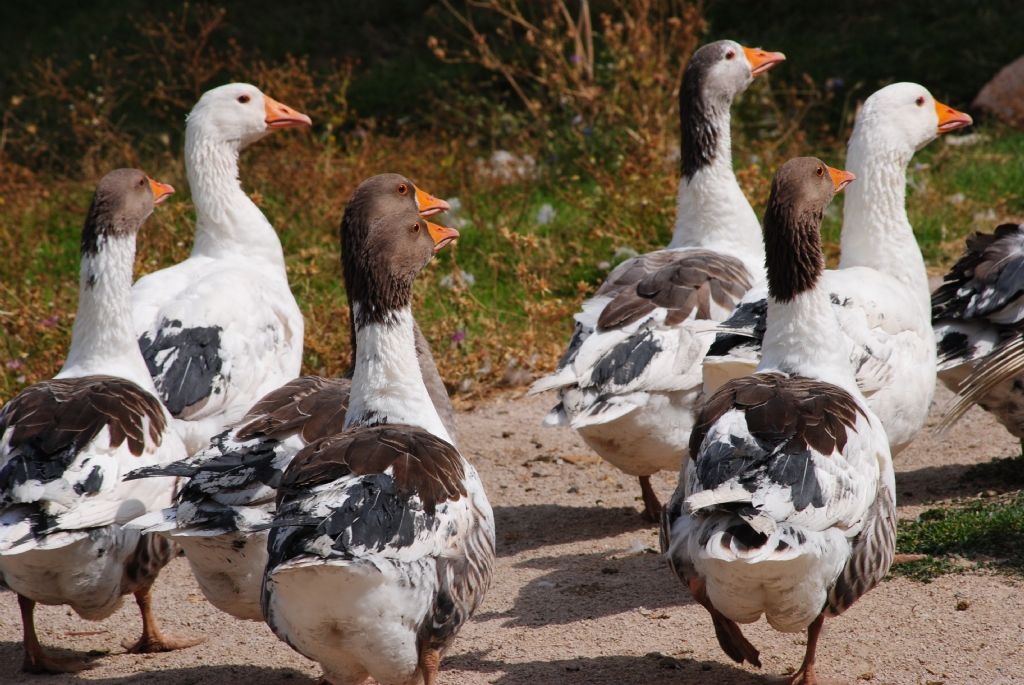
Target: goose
point(977, 314)
point(65, 444)
point(880, 291)
point(221, 329)
point(630, 378)
point(786, 504)
point(231, 485)
point(382, 546)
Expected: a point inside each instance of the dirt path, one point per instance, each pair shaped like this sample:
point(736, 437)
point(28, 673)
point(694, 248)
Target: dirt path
point(580, 596)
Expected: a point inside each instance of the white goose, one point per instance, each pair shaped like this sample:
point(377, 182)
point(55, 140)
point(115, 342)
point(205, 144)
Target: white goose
point(232, 484)
point(786, 504)
point(221, 329)
point(66, 443)
point(387, 519)
point(880, 291)
point(977, 314)
point(630, 379)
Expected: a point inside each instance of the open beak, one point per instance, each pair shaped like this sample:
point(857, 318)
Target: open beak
point(762, 60)
point(283, 116)
point(840, 178)
point(161, 191)
point(441, 235)
point(430, 205)
point(950, 119)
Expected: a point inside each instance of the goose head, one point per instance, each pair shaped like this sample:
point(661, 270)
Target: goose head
point(714, 76)
point(386, 242)
point(240, 114)
point(906, 115)
point(123, 200)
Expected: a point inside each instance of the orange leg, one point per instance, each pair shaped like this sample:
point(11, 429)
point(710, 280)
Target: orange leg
point(652, 507)
point(430, 662)
point(806, 676)
point(152, 639)
point(36, 660)
point(728, 632)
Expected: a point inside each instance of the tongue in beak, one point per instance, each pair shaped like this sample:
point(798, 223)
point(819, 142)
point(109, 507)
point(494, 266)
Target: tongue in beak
point(441, 235)
point(840, 178)
point(430, 205)
point(762, 60)
point(161, 191)
point(283, 116)
point(950, 119)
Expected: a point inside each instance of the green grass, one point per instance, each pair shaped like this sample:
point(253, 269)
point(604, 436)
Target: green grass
point(976, 534)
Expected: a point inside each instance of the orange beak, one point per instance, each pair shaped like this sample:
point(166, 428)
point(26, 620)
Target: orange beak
point(950, 119)
point(430, 205)
point(161, 191)
point(840, 178)
point(283, 116)
point(762, 60)
point(441, 235)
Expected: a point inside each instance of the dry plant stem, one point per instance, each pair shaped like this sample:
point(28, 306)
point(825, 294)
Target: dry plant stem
point(806, 676)
point(729, 635)
point(652, 507)
point(36, 660)
point(153, 640)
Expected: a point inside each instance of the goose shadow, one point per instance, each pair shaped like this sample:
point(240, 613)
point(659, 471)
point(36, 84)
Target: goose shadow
point(652, 669)
point(527, 527)
point(581, 587)
point(958, 480)
point(227, 674)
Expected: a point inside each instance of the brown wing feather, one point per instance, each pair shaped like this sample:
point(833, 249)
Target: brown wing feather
point(782, 408)
point(421, 463)
point(676, 281)
point(314, 405)
point(56, 415)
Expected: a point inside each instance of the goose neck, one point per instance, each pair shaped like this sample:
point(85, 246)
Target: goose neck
point(103, 336)
point(228, 223)
point(387, 384)
point(803, 338)
point(711, 210)
point(876, 230)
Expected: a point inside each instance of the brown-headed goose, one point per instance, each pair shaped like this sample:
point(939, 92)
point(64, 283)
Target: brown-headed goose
point(977, 313)
point(880, 291)
point(232, 484)
point(631, 376)
point(221, 329)
point(65, 445)
point(786, 504)
point(382, 546)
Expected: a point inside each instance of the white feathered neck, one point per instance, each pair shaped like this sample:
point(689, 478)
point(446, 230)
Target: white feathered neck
point(803, 338)
point(713, 213)
point(228, 224)
point(387, 384)
point(876, 231)
point(103, 337)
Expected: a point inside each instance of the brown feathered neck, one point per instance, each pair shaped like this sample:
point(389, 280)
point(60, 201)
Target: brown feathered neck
point(370, 278)
point(792, 243)
point(700, 115)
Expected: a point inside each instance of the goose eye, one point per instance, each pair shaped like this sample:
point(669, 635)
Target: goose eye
point(729, 55)
point(920, 101)
point(243, 99)
point(403, 189)
point(142, 182)
point(415, 228)
point(820, 172)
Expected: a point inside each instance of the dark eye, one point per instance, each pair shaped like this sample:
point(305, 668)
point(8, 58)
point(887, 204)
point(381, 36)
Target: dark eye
point(142, 183)
point(820, 172)
point(415, 228)
point(243, 99)
point(920, 101)
point(403, 189)
point(729, 55)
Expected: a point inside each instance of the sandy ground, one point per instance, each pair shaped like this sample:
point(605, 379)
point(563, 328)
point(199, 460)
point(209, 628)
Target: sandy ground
point(581, 596)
